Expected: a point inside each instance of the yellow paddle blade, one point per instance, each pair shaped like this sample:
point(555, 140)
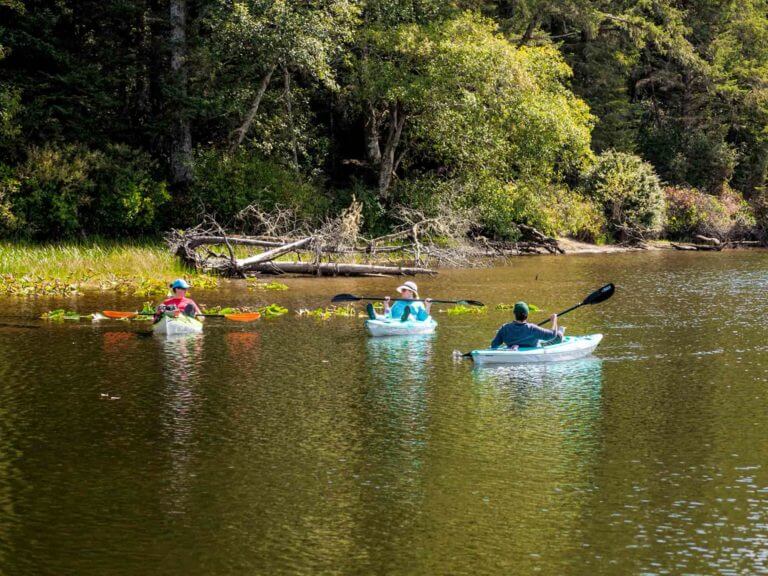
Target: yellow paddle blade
point(117, 314)
point(243, 316)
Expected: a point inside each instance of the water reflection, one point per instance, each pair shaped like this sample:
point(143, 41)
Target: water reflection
point(579, 381)
point(397, 411)
point(182, 358)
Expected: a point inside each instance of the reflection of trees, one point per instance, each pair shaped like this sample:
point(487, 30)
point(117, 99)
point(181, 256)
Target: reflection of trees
point(8, 470)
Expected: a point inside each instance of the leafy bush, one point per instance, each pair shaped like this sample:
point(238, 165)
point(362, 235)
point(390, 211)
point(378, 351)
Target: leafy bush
point(554, 210)
point(72, 190)
point(9, 185)
point(126, 195)
point(691, 212)
point(225, 184)
point(629, 191)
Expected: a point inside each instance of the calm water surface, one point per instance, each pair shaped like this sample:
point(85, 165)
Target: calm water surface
point(295, 446)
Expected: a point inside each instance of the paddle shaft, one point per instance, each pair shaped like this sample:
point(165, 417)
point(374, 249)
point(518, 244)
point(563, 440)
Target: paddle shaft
point(411, 300)
point(197, 315)
point(563, 313)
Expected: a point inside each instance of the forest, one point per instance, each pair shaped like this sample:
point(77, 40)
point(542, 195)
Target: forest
point(602, 120)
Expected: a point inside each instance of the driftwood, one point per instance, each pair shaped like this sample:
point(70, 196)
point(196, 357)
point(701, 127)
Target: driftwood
point(254, 261)
point(326, 248)
point(718, 247)
point(283, 233)
point(337, 269)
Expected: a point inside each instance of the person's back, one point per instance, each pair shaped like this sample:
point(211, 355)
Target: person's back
point(522, 333)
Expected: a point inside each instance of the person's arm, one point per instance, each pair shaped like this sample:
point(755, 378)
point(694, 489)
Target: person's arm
point(428, 305)
point(499, 339)
point(386, 304)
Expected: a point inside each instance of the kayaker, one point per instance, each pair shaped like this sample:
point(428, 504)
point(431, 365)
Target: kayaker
point(406, 306)
point(522, 333)
point(179, 299)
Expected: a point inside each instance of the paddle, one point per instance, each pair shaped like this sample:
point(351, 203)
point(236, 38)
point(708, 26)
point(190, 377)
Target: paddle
point(599, 295)
point(238, 317)
point(353, 298)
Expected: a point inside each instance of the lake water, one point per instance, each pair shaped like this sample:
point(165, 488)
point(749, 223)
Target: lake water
point(298, 446)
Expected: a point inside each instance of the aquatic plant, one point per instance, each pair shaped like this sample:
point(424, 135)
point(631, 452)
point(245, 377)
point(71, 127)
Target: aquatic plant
point(273, 311)
point(214, 310)
point(255, 285)
point(348, 311)
point(531, 307)
point(461, 309)
point(11, 285)
point(60, 314)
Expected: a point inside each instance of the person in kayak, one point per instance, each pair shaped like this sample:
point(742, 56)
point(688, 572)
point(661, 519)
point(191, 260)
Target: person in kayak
point(406, 306)
point(179, 299)
point(522, 333)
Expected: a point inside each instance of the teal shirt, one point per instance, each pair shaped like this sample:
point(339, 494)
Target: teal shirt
point(418, 311)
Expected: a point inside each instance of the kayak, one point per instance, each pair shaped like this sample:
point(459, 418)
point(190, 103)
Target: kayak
point(172, 326)
point(571, 348)
point(390, 327)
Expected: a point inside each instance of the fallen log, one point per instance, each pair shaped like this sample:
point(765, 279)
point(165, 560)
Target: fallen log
point(707, 239)
point(266, 256)
point(697, 247)
point(196, 241)
point(336, 269)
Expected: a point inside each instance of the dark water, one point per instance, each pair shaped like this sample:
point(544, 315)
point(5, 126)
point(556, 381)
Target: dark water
point(296, 446)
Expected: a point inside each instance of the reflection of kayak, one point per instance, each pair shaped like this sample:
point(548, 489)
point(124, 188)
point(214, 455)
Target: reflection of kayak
point(179, 325)
point(570, 348)
point(389, 327)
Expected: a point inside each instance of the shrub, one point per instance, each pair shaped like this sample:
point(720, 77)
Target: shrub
point(9, 185)
point(554, 210)
point(227, 183)
point(62, 192)
point(629, 191)
point(127, 198)
point(691, 212)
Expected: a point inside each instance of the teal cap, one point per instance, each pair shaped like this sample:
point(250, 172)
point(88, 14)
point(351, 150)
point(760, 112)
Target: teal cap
point(521, 309)
point(179, 283)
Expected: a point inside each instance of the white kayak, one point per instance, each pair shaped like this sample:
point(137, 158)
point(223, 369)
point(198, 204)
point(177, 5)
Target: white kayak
point(571, 348)
point(172, 326)
point(390, 327)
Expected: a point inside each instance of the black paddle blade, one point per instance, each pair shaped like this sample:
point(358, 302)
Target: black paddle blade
point(345, 298)
point(600, 295)
point(471, 302)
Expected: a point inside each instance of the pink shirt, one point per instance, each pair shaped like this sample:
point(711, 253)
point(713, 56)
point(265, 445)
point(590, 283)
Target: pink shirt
point(182, 303)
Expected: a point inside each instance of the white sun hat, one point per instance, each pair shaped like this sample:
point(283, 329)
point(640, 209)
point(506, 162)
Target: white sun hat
point(409, 286)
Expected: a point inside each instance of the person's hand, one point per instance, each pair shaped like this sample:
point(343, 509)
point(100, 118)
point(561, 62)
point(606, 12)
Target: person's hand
point(427, 300)
point(553, 318)
point(386, 298)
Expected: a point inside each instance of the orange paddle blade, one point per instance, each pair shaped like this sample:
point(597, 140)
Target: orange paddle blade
point(116, 314)
point(243, 316)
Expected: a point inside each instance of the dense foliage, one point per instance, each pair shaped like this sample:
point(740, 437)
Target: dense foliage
point(126, 117)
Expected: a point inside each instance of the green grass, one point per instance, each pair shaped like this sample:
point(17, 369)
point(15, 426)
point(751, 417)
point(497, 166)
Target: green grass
point(102, 258)
point(129, 266)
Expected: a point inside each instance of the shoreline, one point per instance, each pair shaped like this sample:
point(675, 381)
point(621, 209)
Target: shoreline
point(143, 268)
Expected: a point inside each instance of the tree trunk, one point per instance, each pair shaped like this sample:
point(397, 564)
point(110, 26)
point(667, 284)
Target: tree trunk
point(246, 125)
point(181, 137)
point(530, 29)
point(394, 131)
point(289, 111)
point(372, 133)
